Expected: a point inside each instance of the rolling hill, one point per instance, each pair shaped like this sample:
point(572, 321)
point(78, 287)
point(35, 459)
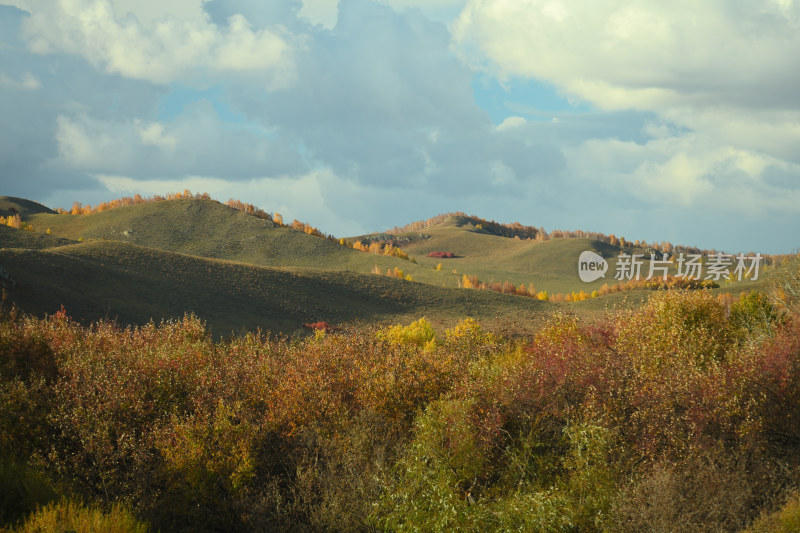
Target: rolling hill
point(10, 205)
point(207, 228)
point(550, 265)
point(161, 259)
point(133, 284)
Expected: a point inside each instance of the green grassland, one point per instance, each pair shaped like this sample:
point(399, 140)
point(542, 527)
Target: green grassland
point(161, 259)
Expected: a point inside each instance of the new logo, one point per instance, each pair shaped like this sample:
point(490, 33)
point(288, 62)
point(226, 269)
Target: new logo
point(591, 266)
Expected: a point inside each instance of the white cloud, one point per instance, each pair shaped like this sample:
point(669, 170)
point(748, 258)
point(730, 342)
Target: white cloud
point(28, 82)
point(641, 54)
point(427, 4)
point(160, 49)
point(149, 11)
point(688, 172)
point(510, 122)
point(775, 132)
point(89, 144)
point(324, 12)
point(719, 77)
point(501, 174)
point(153, 134)
point(124, 185)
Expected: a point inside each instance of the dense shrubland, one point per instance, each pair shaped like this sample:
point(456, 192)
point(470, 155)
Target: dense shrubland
point(683, 415)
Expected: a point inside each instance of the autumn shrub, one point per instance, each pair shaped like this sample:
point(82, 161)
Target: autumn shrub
point(24, 352)
point(678, 387)
point(677, 327)
point(786, 519)
point(441, 255)
point(551, 377)
point(468, 336)
point(419, 333)
point(768, 382)
point(210, 463)
point(786, 287)
point(711, 490)
point(445, 480)
point(755, 316)
point(68, 515)
point(116, 387)
point(675, 413)
point(337, 475)
point(25, 410)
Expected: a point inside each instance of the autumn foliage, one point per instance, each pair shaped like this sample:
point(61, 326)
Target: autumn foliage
point(685, 412)
point(379, 248)
point(15, 221)
point(321, 326)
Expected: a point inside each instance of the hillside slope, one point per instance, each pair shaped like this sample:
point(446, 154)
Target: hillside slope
point(133, 284)
point(551, 265)
point(10, 205)
point(337, 276)
point(14, 238)
point(210, 229)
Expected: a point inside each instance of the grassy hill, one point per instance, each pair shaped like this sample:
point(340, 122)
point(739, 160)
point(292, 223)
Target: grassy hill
point(133, 284)
point(10, 205)
point(163, 258)
point(550, 265)
point(207, 228)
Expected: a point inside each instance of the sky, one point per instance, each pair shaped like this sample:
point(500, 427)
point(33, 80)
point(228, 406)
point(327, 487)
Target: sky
point(662, 121)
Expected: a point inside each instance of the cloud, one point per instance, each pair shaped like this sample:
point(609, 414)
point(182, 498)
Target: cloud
point(42, 88)
point(356, 115)
point(690, 173)
point(721, 67)
point(150, 11)
point(511, 122)
point(160, 49)
point(196, 143)
point(642, 54)
point(715, 84)
point(325, 12)
point(381, 99)
point(28, 82)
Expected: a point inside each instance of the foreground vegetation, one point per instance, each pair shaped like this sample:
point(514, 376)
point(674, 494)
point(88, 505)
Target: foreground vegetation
point(683, 415)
